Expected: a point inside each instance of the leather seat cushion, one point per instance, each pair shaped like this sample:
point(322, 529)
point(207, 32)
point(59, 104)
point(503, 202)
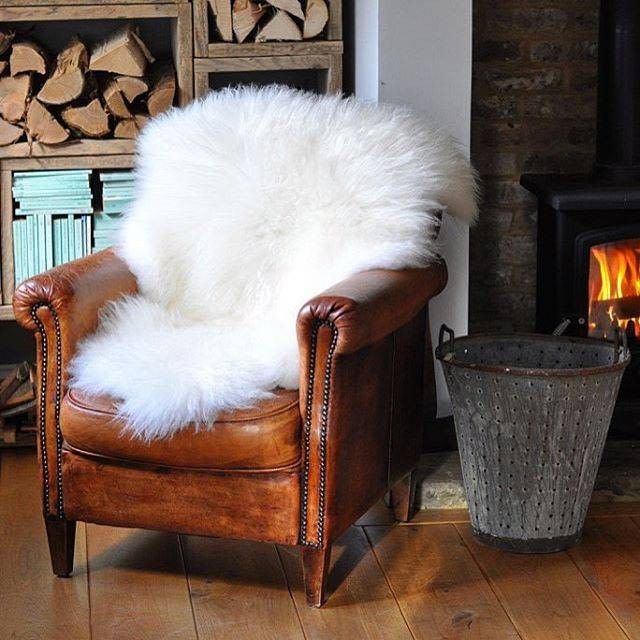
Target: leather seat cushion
point(264, 437)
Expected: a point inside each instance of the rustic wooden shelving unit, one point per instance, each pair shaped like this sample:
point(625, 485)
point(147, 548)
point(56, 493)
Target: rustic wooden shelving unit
point(83, 153)
point(201, 61)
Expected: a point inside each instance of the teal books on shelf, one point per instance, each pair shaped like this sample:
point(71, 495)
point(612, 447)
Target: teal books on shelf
point(117, 195)
point(58, 218)
point(52, 219)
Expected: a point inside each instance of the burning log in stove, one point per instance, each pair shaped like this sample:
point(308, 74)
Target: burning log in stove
point(622, 311)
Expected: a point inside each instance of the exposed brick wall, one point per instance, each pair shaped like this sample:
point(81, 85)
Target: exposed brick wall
point(534, 107)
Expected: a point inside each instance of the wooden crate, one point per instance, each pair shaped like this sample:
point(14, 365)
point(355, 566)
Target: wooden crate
point(178, 13)
point(206, 43)
point(7, 167)
point(328, 66)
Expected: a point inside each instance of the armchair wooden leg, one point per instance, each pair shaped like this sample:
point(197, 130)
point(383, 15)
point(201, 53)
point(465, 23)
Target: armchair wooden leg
point(315, 564)
point(403, 497)
point(62, 537)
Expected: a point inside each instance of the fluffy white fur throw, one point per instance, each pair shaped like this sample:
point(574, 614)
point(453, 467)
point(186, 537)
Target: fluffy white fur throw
point(248, 203)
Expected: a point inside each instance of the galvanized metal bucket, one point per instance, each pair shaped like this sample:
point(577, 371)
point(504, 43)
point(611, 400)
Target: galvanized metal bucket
point(531, 414)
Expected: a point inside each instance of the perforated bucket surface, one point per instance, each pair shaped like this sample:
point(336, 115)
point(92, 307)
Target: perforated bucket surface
point(531, 415)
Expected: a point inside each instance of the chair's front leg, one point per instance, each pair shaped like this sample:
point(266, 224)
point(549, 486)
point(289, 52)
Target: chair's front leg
point(61, 535)
point(315, 565)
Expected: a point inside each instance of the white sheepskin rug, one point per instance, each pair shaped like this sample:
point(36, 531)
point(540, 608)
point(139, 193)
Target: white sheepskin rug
point(248, 203)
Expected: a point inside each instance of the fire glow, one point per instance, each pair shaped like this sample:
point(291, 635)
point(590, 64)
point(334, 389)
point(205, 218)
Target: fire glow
point(614, 288)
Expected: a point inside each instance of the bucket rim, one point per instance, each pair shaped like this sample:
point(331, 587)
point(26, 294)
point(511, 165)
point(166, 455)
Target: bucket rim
point(442, 351)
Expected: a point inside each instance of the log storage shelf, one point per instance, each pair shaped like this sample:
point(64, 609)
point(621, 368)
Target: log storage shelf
point(264, 41)
point(80, 78)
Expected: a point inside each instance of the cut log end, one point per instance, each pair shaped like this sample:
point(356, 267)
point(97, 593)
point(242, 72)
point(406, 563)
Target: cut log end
point(14, 94)
point(130, 87)
point(290, 6)
point(6, 38)
point(162, 93)
point(115, 100)
point(124, 54)
point(246, 15)
point(27, 57)
point(90, 120)
point(130, 128)
point(64, 88)
point(280, 27)
point(316, 18)
point(42, 126)
point(221, 10)
point(9, 133)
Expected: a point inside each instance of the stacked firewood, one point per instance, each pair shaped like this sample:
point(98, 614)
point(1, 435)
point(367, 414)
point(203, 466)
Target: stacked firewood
point(108, 91)
point(275, 20)
point(17, 405)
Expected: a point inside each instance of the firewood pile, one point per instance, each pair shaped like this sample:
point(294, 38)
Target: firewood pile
point(109, 91)
point(17, 406)
point(272, 21)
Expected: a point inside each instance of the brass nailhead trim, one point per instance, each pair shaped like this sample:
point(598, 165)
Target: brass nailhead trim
point(324, 419)
point(42, 413)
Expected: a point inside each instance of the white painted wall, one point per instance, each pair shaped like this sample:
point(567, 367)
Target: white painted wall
point(423, 59)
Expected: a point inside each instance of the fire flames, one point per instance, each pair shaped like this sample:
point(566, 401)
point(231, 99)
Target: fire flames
point(614, 288)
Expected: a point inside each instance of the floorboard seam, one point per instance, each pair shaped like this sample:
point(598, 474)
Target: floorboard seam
point(386, 579)
point(518, 631)
point(597, 595)
point(186, 578)
point(286, 581)
point(634, 519)
point(86, 555)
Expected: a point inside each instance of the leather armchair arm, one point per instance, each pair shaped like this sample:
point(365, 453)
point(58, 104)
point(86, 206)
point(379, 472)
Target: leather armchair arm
point(362, 355)
point(371, 305)
point(60, 307)
point(75, 292)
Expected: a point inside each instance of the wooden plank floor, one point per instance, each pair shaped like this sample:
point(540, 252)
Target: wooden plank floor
point(428, 579)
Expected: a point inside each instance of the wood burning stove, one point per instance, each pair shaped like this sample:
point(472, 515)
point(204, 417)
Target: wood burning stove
point(589, 226)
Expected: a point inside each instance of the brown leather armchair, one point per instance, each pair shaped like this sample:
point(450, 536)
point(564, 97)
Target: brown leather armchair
point(297, 469)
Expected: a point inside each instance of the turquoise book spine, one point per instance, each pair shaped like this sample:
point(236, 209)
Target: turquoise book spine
point(59, 191)
point(64, 232)
point(72, 235)
point(87, 234)
point(49, 241)
point(42, 244)
point(56, 242)
point(57, 173)
point(115, 176)
point(49, 185)
point(23, 249)
point(27, 249)
point(31, 246)
point(78, 233)
point(62, 190)
point(55, 211)
point(17, 260)
point(35, 247)
point(111, 188)
point(48, 202)
point(24, 256)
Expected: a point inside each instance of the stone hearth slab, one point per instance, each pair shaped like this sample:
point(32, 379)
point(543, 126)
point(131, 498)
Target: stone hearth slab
point(440, 477)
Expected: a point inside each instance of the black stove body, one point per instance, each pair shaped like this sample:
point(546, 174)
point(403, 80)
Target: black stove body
point(578, 213)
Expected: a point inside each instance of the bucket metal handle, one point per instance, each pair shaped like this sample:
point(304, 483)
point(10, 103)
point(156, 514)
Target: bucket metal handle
point(452, 337)
point(619, 338)
point(561, 328)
